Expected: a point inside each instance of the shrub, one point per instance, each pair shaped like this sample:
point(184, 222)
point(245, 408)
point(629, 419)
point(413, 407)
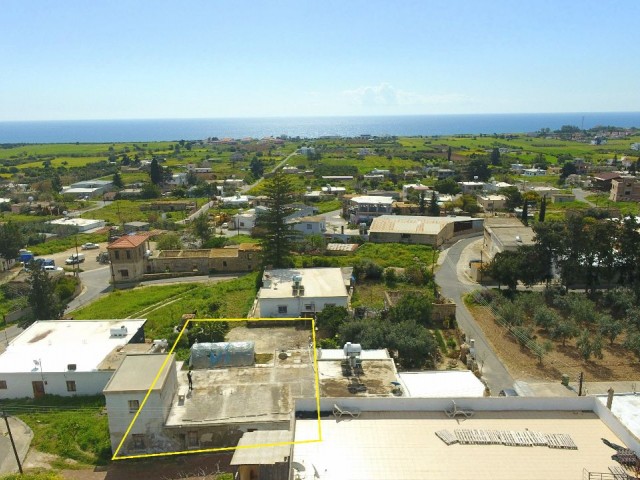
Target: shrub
point(390, 277)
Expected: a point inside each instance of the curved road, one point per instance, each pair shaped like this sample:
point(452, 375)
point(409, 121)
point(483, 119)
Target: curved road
point(452, 285)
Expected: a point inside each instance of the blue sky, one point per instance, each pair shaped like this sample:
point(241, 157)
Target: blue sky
point(235, 58)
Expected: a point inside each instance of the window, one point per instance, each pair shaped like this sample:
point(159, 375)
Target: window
point(249, 267)
point(117, 255)
point(124, 273)
point(128, 254)
point(133, 406)
point(308, 306)
point(309, 226)
point(71, 386)
point(405, 235)
point(138, 441)
point(282, 309)
point(3, 384)
point(192, 439)
point(224, 263)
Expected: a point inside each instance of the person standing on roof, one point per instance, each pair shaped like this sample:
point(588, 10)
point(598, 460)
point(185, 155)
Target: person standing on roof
point(190, 379)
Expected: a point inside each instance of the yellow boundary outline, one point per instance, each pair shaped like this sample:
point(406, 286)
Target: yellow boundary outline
point(209, 450)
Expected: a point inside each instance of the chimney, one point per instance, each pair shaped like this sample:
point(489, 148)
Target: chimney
point(609, 397)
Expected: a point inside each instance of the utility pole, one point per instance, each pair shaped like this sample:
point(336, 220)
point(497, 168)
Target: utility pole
point(15, 452)
point(580, 379)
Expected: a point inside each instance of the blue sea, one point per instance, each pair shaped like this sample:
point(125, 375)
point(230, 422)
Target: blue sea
point(95, 131)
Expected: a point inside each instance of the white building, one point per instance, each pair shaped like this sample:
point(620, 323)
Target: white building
point(471, 187)
point(244, 220)
point(82, 224)
point(89, 188)
point(442, 384)
point(68, 358)
point(435, 439)
point(124, 395)
point(316, 225)
point(367, 207)
point(237, 200)
point(300, 292)
point(533, 172)
point(178, 180)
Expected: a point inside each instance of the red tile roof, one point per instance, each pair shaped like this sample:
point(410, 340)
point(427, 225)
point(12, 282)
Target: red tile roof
point(128, 241)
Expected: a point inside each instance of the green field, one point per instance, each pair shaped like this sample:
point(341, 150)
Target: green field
point(163, 306)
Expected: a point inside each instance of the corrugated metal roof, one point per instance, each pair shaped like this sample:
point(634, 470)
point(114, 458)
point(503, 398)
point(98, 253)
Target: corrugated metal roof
point(412, 224)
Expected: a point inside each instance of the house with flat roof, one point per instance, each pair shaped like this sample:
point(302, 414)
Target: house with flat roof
point(313, 225)
point(504, 234)
point(124, 395)
point(67, 357)
point(496, 438)
point(491, 203)
point(625, 189)
point(471, 187)
point(421, 229)
point(82, 224)
point(365, 208)
point(301, 292)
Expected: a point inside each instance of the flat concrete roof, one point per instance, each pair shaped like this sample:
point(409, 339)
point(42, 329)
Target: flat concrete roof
point(626, 407)
point(413, 224)
point(507, 229)
point(317, 282)
point(268, 455)
point(77, 222)
point(374, 380)
point(458, 384)
point(136, 373)
point(384, 445)
point(55, 344)
point(260, 393)
point(373, 199)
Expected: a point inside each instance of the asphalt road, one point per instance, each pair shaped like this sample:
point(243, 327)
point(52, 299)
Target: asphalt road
point(448, 277)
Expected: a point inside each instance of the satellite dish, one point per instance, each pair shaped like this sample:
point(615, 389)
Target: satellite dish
point(36, 362)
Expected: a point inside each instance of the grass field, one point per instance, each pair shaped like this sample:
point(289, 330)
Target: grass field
point(163, 306)
point(71, 427)
point(62, 244)
point(385, 255)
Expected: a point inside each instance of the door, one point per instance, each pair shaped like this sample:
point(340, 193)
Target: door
point(38, 389)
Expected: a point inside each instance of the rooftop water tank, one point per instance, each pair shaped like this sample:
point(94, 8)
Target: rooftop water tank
point(351, 349)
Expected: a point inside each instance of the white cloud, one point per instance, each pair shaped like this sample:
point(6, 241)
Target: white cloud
point(385, 94)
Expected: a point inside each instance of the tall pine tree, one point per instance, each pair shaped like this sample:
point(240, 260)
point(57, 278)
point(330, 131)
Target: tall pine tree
point(277, 242)
point(543, 209)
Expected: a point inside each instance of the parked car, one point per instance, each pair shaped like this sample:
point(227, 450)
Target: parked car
point(74, 259)
point(102, 257)
point(52, 268)
point(90, 246)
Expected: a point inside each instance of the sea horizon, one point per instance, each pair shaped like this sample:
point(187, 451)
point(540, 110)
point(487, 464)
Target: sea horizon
point(308, 127)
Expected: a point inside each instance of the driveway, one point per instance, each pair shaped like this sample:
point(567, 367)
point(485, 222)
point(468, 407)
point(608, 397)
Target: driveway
point(453, 284)
point(22, 436)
